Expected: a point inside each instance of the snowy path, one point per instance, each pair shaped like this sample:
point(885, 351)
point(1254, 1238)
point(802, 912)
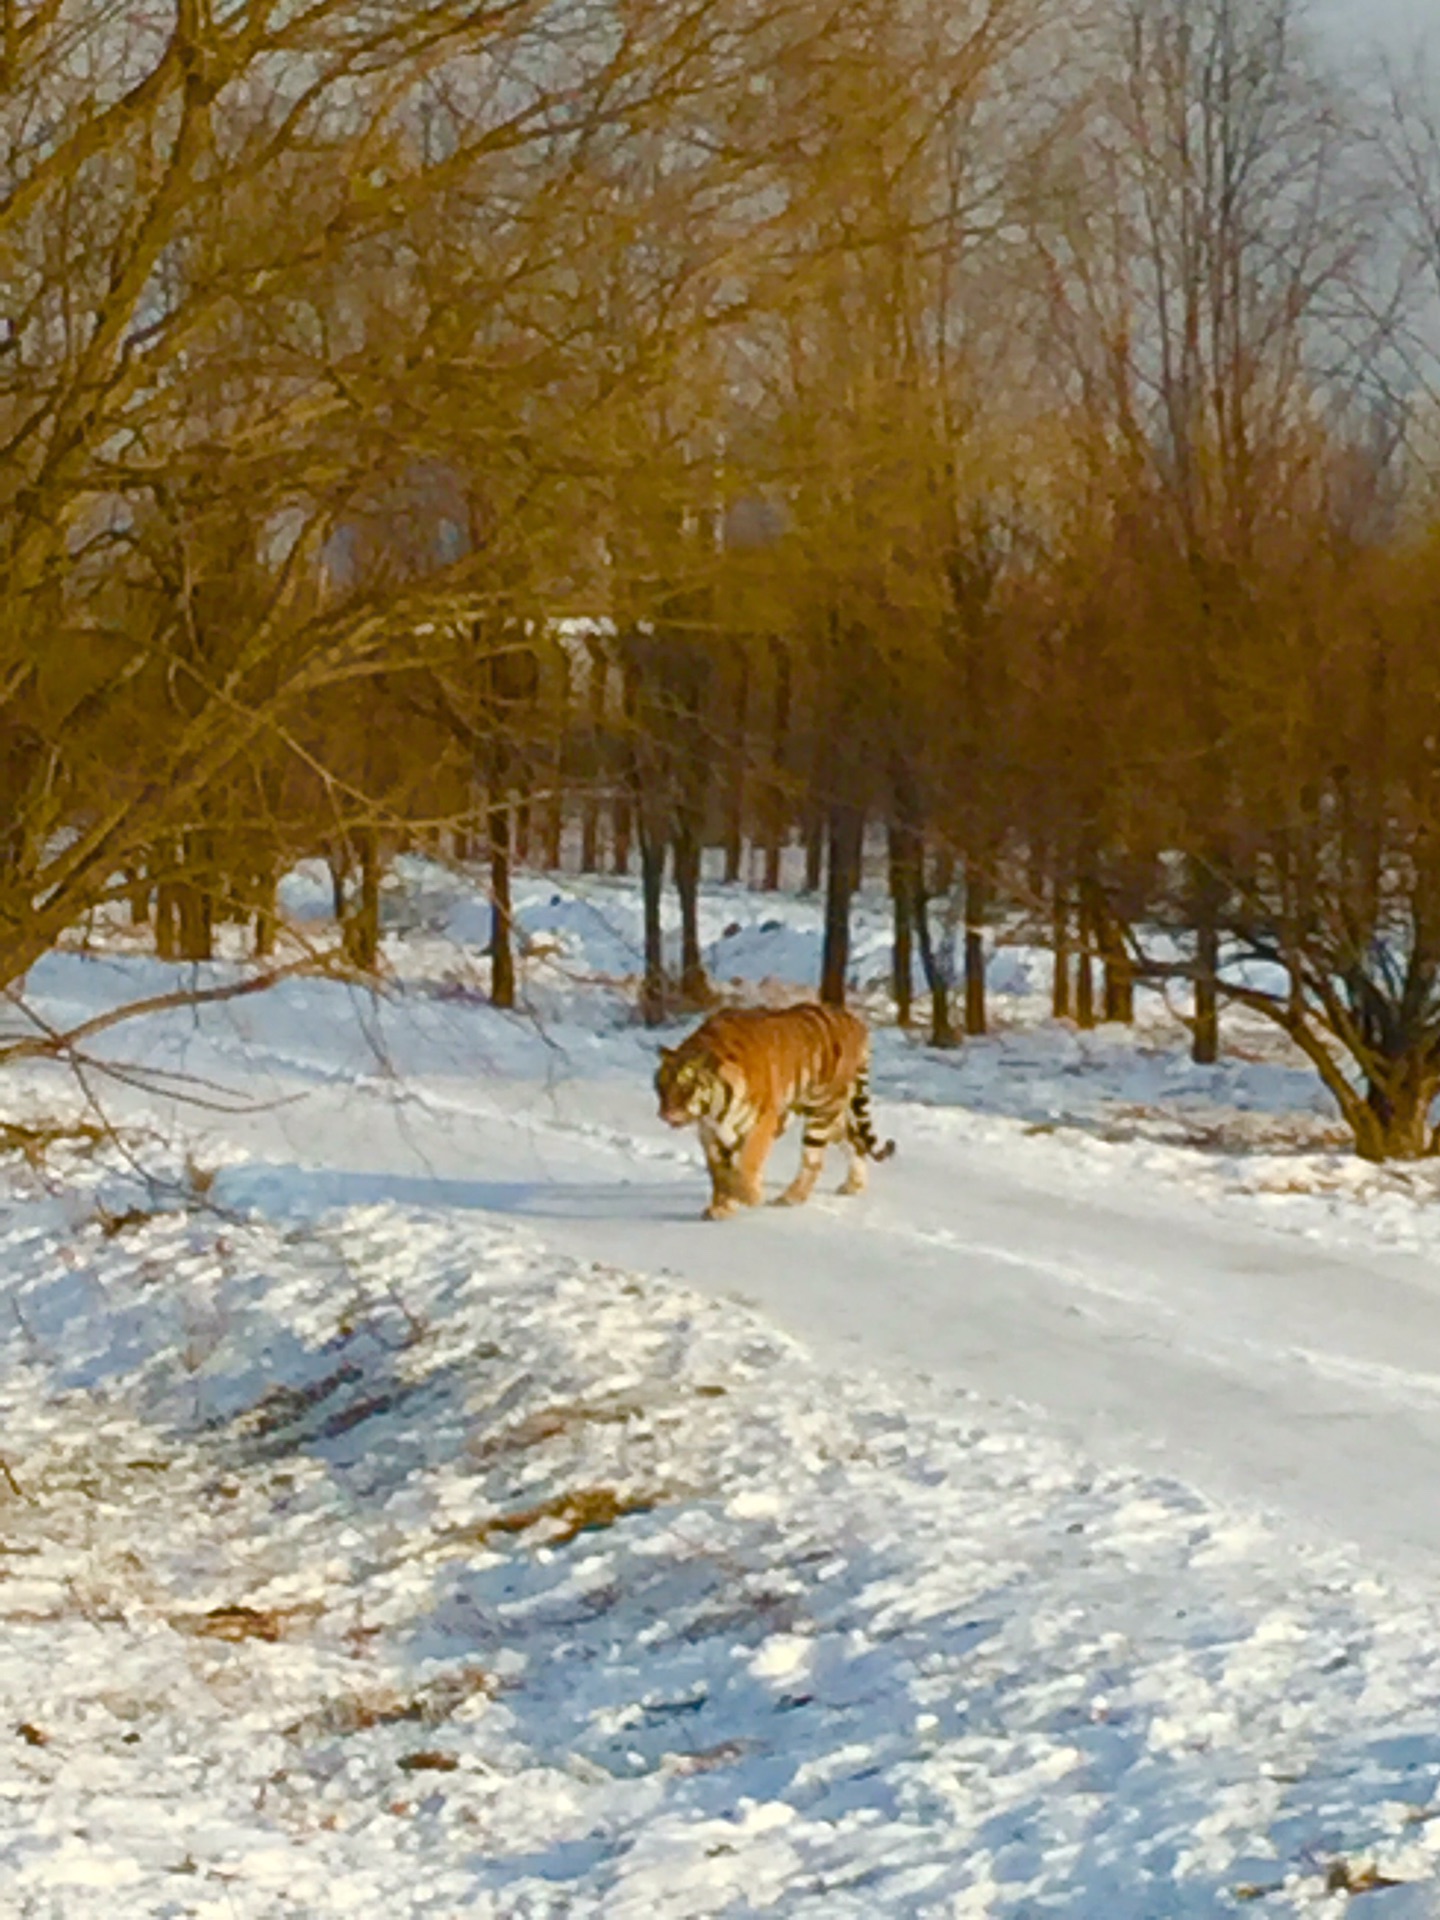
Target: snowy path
point(1147, 1326)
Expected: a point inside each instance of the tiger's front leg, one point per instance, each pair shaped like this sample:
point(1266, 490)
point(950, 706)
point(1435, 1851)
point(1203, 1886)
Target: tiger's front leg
point(720, 1159)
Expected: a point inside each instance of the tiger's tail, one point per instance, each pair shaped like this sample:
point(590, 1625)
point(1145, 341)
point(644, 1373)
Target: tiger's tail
point(861, 1126)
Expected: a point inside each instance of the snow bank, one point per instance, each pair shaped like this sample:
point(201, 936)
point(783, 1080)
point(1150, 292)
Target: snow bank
point(389, 1564)
point(366, 1547)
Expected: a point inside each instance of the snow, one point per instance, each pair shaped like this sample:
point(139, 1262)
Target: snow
point(409, 1506)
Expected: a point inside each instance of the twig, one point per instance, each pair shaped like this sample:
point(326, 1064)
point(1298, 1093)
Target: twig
point(7, 1473)
point(52, 1042)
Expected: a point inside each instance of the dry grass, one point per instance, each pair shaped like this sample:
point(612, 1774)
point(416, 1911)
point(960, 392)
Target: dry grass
point(431, 1706)
point(428, 1759)
point(1341, 1876)
point(285, 1406)
point(1232, 1132)
point(560, 1519)
point(238, 1623)
point(549, 1423)
point(112, 1225)
point(35, 1140)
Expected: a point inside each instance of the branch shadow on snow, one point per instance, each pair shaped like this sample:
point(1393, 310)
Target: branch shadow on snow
point(217, 1364)
point(664, 1672)
point(775, 1703)
point(735, 1667)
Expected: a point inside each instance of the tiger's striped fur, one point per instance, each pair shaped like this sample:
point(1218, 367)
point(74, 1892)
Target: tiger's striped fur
point(742, 1074)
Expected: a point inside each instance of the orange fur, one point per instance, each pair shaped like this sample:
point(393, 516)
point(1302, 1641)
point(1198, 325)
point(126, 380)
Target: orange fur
point(745, 1071)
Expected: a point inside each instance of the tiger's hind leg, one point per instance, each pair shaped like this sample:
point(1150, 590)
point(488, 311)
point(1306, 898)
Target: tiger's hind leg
point(860, 1135)
point(856, 1179)
point(819, 1134)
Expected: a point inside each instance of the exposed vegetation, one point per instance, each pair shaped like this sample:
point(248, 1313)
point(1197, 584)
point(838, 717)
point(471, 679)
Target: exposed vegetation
point(606, 432)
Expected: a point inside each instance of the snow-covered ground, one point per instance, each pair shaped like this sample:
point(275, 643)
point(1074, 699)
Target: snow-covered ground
point(408, 1505)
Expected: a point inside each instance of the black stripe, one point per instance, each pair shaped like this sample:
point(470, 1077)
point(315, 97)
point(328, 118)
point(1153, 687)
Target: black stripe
point(864, 1134)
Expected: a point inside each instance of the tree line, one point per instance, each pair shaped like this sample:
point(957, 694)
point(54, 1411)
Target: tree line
point(740, 423)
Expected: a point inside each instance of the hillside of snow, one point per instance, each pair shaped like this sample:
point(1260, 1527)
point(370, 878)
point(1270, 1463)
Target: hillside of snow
point(409, 1506)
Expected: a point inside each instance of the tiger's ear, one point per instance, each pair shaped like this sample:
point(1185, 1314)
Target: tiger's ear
point(667, 1053)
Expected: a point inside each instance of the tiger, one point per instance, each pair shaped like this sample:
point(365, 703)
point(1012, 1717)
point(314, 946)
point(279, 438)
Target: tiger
point(745, 1071)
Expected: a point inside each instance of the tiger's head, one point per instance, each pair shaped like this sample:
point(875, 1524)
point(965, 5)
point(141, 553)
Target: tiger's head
point(685, 1085)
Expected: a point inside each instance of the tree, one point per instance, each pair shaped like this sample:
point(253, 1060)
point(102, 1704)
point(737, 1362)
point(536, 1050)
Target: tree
point(265, 267)
point(1198, 312)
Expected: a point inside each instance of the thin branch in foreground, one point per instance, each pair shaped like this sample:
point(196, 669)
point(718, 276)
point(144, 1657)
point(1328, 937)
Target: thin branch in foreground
point(51, 1042)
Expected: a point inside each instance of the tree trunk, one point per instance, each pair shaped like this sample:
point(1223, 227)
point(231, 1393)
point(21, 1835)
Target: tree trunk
point(195, 899)
point(623, 811)
point(937, 973)
point(590, 814)
point(361, 923)
point(814, 849)
point(232, 884)
point(735, 808)
point(266, 911)
point(1084, 966)
point(1060, 996)
point(590, 833)
point(977, 899)
point(1119, 973)
point(1118, 980)
point(624, 833)
point(559, 757)
point(167, 906)
point(904, 868)
point(137, 894)
point(845, 833)
point(1038, 854)
point(1394, 1121)
point(502, 945)
point(554, 852)
point(693, 984)
point(338, 861)
point(522, 838)
point(370, 896)
point(1205, 1040)
point(652, 882)
point(777, 810)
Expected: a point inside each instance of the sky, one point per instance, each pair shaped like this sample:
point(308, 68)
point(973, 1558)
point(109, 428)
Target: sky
point(1397, 24)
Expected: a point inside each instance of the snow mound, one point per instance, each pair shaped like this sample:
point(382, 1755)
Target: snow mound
point(384, 1562)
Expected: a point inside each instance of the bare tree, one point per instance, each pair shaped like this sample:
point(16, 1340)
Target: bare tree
point(1201, 313)
point(265, 268)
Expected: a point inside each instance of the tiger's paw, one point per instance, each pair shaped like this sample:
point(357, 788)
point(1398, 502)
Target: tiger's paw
point(721, 1209)
point(790, 1198)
